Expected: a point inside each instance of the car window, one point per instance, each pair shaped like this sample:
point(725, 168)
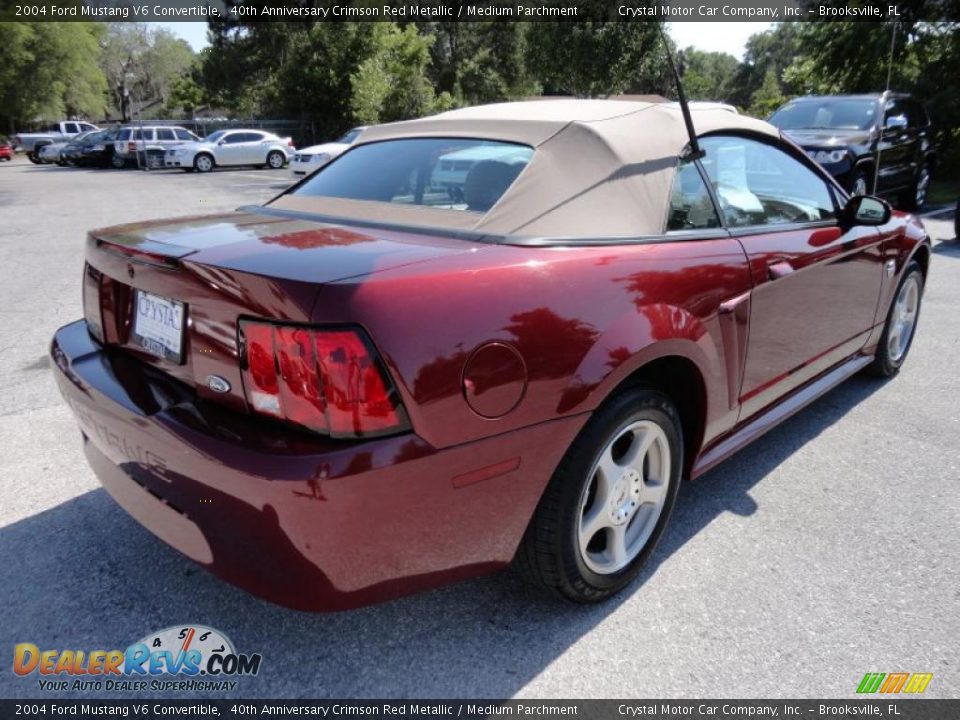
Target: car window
point(165, 134)
point(233, 138)
point(144, 134)
point(247, 137)
point(916, 115)
point(449, 173)
point(184, 134)
point(826, 113)
point(215, 136)
point(759, 184)
point(349, 137)
point(895, 108)
point(70, 128)
point(691, 207)
point(87, 126)
point(124, 134)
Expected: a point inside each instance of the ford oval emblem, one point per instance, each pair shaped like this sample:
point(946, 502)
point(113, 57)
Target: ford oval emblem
point(217, 384)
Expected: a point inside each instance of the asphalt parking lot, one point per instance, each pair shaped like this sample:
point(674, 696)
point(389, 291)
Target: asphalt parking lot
point(828, 549)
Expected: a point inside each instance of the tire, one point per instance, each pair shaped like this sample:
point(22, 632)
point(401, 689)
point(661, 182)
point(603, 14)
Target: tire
point(897, 338)
point(860, 183)
point(34, 156)
point(559, 550)
point(118, 162)
point(916, 197)
point(276, 160)
point(203, 163)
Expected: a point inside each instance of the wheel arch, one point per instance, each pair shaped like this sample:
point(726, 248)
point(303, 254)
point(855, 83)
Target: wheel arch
point(677, 357)
point(679, 378)
point(922, 255)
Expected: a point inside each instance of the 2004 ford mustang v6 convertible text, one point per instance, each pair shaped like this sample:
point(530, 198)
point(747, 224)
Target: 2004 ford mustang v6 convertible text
point(378, 383)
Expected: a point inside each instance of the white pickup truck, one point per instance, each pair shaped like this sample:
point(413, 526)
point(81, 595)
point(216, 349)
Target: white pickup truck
point(57, 132)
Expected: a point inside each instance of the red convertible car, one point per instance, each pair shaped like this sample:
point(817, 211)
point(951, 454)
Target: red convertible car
point(377, 383)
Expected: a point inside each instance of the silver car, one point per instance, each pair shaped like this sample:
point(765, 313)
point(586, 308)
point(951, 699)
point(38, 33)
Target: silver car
point(231, 147)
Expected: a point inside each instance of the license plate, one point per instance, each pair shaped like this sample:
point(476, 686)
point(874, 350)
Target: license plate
point(158, 325)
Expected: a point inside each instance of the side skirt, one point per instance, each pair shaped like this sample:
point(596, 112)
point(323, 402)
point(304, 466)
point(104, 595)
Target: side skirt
point(769, 419)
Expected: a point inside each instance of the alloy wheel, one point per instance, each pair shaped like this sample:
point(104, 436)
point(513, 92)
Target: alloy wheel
point(624, 497)
point(903, 321)
point(203, 163)
point(275, 160)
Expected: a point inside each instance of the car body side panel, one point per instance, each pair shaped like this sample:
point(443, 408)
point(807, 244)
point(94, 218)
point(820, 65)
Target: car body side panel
point(301, 520)
point(814, 298)
point(582, 318)
point(903, 239)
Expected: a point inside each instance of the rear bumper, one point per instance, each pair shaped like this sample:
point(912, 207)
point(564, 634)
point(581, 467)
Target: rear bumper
point(303, 521)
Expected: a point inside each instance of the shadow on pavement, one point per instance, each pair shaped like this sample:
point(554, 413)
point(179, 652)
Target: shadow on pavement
point(83, 575)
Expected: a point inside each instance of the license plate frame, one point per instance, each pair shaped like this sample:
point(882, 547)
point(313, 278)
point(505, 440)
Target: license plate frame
point(158, 325)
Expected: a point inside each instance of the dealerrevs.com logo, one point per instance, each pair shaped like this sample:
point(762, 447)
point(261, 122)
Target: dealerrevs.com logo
point(200, 657)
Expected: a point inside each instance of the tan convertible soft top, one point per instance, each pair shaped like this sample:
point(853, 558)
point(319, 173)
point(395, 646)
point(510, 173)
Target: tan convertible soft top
point(602, 168)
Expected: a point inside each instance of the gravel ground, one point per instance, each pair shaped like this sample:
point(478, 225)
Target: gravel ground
point(827, 549)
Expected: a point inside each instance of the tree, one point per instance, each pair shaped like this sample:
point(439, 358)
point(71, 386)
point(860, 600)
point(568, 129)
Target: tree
point(768, 97)
point(708, 75)
point(167, 60)
point(479, 62)
point(596, 58)
point(141, 63)
point(391, 84)
point(49, 70)
point(767, 54)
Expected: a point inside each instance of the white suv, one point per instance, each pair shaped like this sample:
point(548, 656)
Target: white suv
point(134, 139)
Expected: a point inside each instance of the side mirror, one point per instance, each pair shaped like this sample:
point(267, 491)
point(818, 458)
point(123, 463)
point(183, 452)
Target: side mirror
point(894, 124)
point(222, 142)
point(867, 210)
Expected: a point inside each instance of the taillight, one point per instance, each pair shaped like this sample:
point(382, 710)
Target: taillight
point(328, 380)
point(92, 311)
point(131, 147)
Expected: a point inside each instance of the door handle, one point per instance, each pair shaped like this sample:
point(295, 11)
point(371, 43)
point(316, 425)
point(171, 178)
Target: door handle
point(779, 269)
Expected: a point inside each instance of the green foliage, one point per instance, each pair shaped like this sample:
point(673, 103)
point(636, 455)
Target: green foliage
point(708, 75)
point(596, 59)
point(48, 70)
point(479, 62)
point(141, 64)
point(391, 84)
point(768, 97)
point(186, 94)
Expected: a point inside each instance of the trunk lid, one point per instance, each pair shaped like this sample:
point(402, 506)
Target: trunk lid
point(225, 267)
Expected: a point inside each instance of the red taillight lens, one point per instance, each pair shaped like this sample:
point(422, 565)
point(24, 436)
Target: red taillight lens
point(327, 380)
point(92, 310)
point(131, 147)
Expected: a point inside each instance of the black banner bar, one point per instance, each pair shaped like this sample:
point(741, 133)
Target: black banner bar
point(480, 10)
point(878, 709)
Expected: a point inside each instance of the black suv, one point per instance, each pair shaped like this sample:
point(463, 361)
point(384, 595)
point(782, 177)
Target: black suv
point(848, 133)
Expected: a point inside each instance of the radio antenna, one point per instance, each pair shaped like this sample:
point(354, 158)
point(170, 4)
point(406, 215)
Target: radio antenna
point(893, 45)
point(695, 152)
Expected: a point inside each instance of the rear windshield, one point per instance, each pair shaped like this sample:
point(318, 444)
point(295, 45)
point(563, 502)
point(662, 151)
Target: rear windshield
point(448, 173)
point(826, 114)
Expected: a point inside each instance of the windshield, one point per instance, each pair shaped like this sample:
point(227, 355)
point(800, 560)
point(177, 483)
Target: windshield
point(449, 173)
point(215, 136)
point(348, 138)
point(826, 114)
